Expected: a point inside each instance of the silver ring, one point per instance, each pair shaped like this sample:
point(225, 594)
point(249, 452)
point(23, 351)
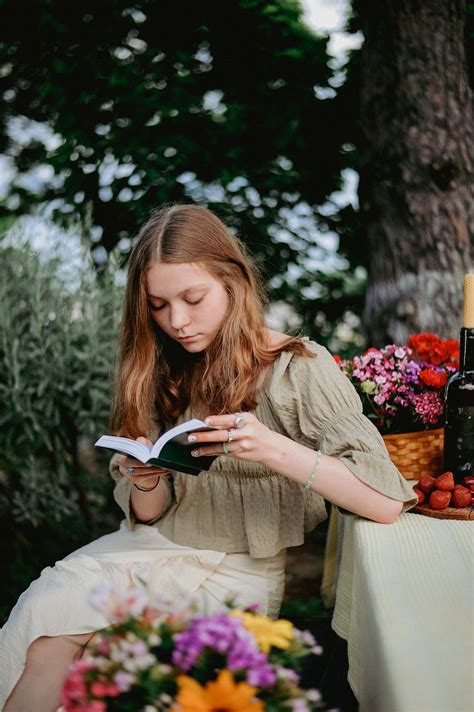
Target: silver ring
point(130, 470)
point(239, 421)
point(230, 435)
point(225, 449)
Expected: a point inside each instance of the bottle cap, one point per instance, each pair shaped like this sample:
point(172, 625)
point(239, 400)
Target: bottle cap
point(468, 320)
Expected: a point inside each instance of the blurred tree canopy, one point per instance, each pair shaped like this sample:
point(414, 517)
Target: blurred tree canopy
point(225, 104)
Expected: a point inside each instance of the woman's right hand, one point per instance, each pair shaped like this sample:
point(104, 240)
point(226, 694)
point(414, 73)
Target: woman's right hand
point(143, 475)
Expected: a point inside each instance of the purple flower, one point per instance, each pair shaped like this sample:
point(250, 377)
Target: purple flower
point(228, 636)
point(124, 680)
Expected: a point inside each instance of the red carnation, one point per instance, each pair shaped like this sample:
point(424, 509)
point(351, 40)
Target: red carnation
point(429, 347)
point(337, 358)
point(433, 378)
point(452, 347)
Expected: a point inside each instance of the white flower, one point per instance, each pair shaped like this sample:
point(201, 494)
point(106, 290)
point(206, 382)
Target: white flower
point(313, 695)
point(308, 638)
point(298, 704)
point(287, 674)
point(139, 663)
point(117, 604)
point(165, 669)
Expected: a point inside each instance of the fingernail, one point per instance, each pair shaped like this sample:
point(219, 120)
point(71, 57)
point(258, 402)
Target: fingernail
point(191, 438)
point(208, 421)
point(194, 453)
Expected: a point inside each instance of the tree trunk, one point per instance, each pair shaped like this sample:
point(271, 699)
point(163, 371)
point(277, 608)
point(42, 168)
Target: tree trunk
point(416, 166)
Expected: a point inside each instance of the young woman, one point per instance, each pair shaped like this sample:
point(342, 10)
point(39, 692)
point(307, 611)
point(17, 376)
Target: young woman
point(291, 434)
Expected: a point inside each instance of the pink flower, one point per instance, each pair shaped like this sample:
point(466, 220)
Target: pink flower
point(92, 706)
point(429, 407)
point(74, 687)
point(101, 688)
point(116, 603)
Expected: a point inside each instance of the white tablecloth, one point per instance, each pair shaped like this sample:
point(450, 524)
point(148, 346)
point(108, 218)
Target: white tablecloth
point(404, 603)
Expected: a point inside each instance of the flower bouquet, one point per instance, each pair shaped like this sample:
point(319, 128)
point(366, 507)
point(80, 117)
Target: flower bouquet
point(157, 655)
point(401, 387)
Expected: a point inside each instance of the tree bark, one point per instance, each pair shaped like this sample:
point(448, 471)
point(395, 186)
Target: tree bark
point(416, 166)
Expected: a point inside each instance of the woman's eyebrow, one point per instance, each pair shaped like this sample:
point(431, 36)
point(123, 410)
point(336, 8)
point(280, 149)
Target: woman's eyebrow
point(188, 289)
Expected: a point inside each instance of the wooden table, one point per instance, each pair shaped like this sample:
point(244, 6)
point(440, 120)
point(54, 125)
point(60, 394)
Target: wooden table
point(404, 604)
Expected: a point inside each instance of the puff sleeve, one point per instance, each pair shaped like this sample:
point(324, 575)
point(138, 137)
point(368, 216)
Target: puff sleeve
point(123, 489)
point(319, 407)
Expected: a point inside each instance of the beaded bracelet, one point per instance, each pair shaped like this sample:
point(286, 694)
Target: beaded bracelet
point(146, 489)
point(307, 486)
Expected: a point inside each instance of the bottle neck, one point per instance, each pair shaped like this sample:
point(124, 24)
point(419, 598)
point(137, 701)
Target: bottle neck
point(466, 357)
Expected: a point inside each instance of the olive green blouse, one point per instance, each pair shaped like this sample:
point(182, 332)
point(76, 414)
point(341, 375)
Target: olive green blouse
point(245, 507)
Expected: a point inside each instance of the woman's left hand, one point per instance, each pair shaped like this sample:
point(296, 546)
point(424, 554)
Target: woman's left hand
point(252, 441)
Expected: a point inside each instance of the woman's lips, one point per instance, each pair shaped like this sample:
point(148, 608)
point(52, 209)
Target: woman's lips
point(185, 339)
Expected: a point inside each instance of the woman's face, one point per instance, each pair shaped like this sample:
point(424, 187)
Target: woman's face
point(187, 303)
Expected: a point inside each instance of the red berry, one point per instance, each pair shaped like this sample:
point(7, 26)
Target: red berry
point(461, 497)
point(420, 494)
point(445, 482)
point(426, 483)
point(440, 499)
point(469, 480)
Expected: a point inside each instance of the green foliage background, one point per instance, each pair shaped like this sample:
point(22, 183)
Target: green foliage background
point(58, 333)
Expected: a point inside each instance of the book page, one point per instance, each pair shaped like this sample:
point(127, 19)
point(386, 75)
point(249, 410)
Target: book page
point(139, 451)
point(180, 430)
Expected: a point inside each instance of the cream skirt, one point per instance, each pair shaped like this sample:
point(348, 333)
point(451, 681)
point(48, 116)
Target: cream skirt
point(55, 604)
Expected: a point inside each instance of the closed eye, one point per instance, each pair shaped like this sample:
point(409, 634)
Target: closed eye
point(155, 308)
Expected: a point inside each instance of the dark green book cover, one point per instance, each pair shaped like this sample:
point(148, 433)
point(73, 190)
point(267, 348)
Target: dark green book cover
point(175, 456)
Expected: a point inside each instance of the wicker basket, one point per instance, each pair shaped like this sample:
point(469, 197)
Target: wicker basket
point(417, 454)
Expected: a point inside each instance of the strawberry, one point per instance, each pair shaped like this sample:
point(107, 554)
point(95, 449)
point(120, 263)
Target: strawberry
point(420, 494)
point(471, 487)
point(461, 497)
point(439, 499)
point(445, 482)
point(426, 483)
point(469, 480)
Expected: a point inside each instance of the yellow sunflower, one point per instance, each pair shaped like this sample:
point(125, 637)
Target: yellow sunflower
point(268, 633)
point(220, 695)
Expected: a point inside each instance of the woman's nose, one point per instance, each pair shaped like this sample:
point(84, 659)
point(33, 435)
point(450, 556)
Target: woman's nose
point(179, 317)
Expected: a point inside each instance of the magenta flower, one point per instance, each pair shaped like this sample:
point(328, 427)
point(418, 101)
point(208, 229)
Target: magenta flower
point(429, 407)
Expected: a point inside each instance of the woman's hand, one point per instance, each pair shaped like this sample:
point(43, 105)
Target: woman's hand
point(252, 441)
point(143, 475)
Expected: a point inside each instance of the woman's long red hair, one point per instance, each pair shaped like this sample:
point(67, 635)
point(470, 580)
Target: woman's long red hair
point(157, 379)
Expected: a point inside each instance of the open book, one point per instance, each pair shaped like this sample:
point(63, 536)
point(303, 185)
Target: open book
point(171, 450)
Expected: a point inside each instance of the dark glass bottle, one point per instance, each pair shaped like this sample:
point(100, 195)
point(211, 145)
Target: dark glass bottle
point(459, 404)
